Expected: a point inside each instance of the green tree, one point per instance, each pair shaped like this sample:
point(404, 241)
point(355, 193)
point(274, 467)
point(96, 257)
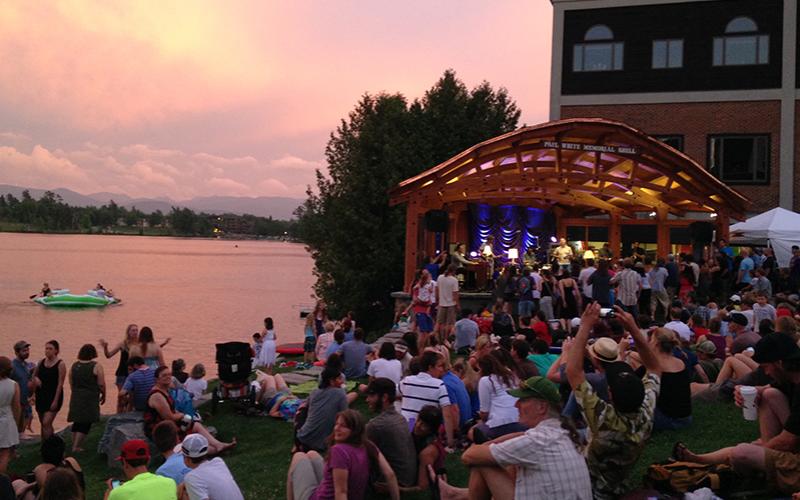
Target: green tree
point(355, 238)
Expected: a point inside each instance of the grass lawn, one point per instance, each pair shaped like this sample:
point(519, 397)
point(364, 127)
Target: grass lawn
point(261, 460)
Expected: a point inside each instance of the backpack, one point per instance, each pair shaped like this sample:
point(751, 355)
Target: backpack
point(681, 477)
point(523, 286)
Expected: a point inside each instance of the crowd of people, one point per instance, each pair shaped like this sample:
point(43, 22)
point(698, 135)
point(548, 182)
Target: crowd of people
point(635, 342)
point(165, 396)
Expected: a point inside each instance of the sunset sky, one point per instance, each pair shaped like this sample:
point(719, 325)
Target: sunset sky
point(184, 98)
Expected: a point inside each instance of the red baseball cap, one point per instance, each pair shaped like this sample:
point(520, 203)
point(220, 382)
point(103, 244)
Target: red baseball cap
point(134, 449)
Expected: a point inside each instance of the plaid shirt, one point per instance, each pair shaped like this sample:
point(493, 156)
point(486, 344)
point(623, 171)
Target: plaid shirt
point(548, 464)
point(616, 439)
point(629, 282)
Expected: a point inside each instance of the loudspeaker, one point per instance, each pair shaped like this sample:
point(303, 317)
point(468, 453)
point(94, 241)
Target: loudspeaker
point(436, 221)
point(701, 232)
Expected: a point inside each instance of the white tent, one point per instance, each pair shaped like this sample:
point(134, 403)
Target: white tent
point(778, 228)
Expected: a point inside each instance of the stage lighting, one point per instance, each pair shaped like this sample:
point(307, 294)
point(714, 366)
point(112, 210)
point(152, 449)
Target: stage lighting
point(652, 214)
point(553, 239)
point(713, 216)
point(513, 254)
point(473, 254)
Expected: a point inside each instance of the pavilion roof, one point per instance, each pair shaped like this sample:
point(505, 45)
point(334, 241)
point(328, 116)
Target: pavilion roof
point(584, 165)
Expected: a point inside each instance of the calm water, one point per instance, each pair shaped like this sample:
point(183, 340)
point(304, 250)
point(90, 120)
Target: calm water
point(198, 292)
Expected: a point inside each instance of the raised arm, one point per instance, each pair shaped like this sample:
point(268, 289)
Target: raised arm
point(113, 351)
point(575, 373)
point(648, 357)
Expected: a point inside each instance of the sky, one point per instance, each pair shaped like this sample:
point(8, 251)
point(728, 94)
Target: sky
point(234, 98)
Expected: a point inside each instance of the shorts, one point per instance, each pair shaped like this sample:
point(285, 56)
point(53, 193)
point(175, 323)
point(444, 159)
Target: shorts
point(288, 408)
point(446, 315)
point(309, 344)
point(783, 470)
point(82, 427)
point(424, 322)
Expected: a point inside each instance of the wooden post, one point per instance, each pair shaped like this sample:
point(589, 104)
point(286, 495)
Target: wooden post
point(723, 227)
point(413, 212)
point(662, 234)
point(615, 235)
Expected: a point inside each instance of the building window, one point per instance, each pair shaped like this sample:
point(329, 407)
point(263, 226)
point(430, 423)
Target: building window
point(676, 141)
point(598, 52)
point(739, 159)
point(741, 45)
point(667, 54)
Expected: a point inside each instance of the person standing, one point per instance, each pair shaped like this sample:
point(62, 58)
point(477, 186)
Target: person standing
point(629, 284)
point(423, 296)
point(746, 267)
point(673, 281)
point(10, 412)
point(447, 298)
point(563, 254)
point(49, 377)
point(266, 358)
point(586, 284)
point(22, 374)
point(88, 386)
point(309, 340)
point(124, 349)
point(658, 289)
point(148, 349)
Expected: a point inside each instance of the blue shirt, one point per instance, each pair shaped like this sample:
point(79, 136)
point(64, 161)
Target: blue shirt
point(334, 347)
point(457, 392)
point(173, 468)
point(139, 383)
point(746, 265)
point(355, 353)
point(21, 374)
point(543, 361)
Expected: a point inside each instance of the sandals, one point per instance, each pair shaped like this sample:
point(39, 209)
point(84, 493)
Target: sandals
point(679, 450)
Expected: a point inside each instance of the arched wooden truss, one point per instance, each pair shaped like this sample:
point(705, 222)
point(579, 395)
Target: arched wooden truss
point(577, 168)
point(585, 166)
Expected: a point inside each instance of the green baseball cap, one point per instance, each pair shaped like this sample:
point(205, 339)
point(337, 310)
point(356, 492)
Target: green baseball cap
point(537, 387)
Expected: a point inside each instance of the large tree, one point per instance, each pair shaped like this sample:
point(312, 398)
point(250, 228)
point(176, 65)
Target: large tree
point(355, 237)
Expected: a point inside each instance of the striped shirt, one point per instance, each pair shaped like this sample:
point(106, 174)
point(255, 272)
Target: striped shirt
point(629, 284)
point(139, 383)
point(419, 391)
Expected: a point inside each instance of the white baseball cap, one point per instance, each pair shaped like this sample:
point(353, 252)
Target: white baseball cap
point(194, 446)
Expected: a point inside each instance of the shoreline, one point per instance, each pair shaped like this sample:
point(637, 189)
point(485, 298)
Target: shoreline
point(233, 237)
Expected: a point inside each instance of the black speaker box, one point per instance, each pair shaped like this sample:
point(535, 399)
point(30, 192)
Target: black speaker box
point(701, 232)
point(436, 221)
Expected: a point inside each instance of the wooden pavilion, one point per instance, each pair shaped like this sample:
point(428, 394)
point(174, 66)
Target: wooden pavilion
point(586, 172)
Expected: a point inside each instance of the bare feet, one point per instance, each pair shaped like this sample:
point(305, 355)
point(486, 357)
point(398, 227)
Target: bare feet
point(228, 446)
point(446, 491)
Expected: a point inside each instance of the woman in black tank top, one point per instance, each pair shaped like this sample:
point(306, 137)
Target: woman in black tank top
point(49, 377)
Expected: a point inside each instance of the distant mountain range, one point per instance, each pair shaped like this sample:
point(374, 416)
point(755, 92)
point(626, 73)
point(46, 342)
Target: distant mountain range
point(264, 206)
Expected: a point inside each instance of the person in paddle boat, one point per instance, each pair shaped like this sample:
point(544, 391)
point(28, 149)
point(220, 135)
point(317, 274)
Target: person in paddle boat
point(46, 291)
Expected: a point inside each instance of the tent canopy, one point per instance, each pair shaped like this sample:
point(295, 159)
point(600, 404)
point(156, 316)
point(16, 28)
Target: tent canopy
point(779, 228)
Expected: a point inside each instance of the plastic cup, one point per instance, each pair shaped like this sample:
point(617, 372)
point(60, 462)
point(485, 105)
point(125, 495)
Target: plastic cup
point(749, 409)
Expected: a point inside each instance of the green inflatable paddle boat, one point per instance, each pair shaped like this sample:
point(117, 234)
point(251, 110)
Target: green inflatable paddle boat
point(70, 300)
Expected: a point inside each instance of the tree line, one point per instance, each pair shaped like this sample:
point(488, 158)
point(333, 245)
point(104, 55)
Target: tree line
point(51, 214)
point(354, 236)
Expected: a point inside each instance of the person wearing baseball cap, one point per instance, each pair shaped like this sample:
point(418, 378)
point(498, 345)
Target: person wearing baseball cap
point(22, 374)
point(208, 479)
point(548, 463)
point(778, 453)
point(620, 427)
point(743, 336)
point(135, 455)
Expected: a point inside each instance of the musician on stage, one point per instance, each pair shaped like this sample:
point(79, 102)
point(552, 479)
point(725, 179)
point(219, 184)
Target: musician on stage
point(486, 252)
point(529, 257)
point(563, 254)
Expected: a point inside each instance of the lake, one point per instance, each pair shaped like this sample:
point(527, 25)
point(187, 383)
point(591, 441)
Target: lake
point(196, 291)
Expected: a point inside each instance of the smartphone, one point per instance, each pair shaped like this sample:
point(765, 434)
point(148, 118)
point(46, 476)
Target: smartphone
point(606, 312)
point(115, 483)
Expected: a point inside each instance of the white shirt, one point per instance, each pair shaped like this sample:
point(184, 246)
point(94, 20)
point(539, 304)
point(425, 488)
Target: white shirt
point(681, 328)
point(196, 386)
point(212, 480)
point(495, 401)
point(388, 368)
point(447, 286)
point(548, 465)
point(537, 285)
point(586, 273)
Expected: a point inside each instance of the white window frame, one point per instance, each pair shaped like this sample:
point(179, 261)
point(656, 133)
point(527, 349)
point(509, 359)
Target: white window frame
point(738, 34)
point(599, 37)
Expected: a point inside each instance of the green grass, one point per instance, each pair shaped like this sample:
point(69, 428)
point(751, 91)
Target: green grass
point(261, 460)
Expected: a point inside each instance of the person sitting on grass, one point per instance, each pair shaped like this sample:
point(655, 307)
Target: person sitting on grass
point(619, 430)
point(344, 472)
point(160, 407)
point(354, 353)
point(499, 415)
point(429, 449)
point(336, 345)
point(324, 341)
point(386, 365)
point(165, 436)
point(52, 453)
point(135, 455)
point(324, 403)
point(777, 452)
point(208, 479)
point(546, 457)
point(139, 383)
point(61, 484)
point(389, 431)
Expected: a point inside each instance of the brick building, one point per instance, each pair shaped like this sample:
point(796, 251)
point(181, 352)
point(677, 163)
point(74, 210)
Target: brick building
point(716, 79)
